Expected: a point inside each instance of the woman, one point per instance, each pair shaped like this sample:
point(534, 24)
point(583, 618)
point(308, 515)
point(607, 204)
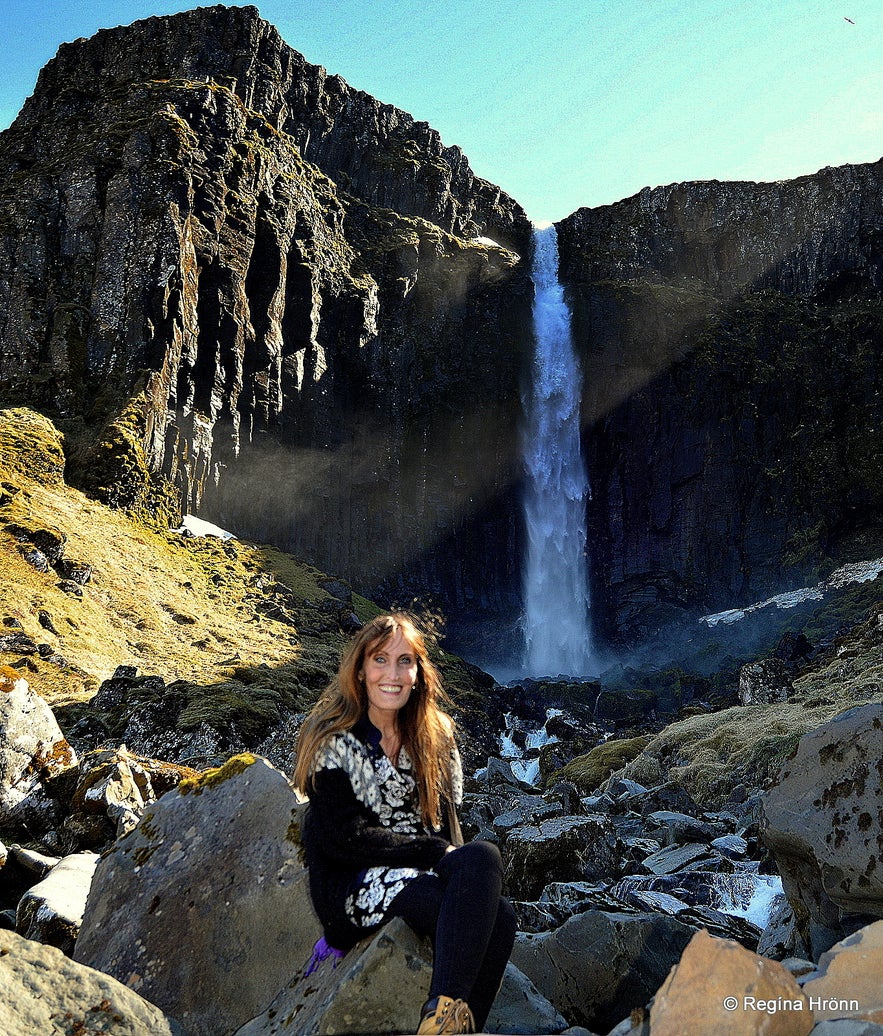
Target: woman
point(378, 760)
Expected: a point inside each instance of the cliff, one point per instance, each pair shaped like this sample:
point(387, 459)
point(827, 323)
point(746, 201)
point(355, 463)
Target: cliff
point(732, 409)
point(242, 287)
point(229, 269)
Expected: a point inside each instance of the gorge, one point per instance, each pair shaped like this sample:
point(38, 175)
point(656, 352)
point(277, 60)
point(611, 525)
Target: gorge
point(244, 288)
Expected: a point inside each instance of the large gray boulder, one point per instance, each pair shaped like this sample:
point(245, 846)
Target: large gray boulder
point(44, 992)
point(203, 908)
point(32, 751)
point(821, 823)
point(597, 967)
point(52, 910)
point(569, 848)
point(379, 987)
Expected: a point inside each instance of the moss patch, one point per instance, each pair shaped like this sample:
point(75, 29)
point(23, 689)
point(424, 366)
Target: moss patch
point(589, 771)
point(213, 778)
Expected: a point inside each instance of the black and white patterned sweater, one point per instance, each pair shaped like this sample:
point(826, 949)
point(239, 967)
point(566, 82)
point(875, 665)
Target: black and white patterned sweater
point(363, 836)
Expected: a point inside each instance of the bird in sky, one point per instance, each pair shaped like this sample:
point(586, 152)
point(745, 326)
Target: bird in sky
point(851, 22)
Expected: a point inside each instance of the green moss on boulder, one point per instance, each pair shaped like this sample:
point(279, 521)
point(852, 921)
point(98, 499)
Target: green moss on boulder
point(589, 771)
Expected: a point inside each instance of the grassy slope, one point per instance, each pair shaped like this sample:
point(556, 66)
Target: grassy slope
point(710, 754)
point(181, 608)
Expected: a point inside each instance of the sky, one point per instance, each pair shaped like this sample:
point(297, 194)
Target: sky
point(566, 103)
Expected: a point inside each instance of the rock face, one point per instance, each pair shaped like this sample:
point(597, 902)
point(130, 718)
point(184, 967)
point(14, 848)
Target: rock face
point(726, 328)
point(203, 909)
point(234, 274)
point(597, 967)
point(266, 286)
point(821, 822)
point(46, 992)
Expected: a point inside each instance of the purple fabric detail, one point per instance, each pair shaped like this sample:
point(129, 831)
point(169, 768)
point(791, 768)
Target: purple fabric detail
point(322, 951)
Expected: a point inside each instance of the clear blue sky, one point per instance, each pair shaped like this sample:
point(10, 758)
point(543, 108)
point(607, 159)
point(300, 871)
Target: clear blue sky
point(566, 103)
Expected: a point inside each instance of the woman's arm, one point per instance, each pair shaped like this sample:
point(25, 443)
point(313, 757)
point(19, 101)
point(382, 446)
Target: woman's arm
point(349, 833)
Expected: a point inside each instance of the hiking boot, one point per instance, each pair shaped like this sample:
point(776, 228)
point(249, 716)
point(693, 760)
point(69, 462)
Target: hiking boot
point(444, 1015)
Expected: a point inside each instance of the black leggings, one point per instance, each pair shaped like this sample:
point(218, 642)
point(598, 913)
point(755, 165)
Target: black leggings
point(458, 905)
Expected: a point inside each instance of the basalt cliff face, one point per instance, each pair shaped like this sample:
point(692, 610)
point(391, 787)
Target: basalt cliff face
point(239, 284)
point(731, 333)
point(226, 267)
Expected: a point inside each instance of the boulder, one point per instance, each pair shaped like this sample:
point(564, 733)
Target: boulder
point(520, 1008)
point(675, 858)
point(42, 991)
point(847, 1027)
point(719, 987)
point(570, 848)
point(847, 982)
point(32, 751)
point(52, 911)
point(379, 987)
point(598, 966)
point(821, 823)
point(764, 682)
point(674, 828)
point(114, 784)
point(204, 908)
point(780, 939)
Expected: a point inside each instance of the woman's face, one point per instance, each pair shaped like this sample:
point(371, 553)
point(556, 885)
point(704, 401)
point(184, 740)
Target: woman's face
point(390, 672)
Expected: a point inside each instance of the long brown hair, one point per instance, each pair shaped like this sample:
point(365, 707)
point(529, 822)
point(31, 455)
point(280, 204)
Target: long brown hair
point(426, 731)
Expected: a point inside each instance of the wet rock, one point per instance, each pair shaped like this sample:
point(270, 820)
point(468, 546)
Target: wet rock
point(780, 939)
point(764, 682)
point(715, 974)
point(672, 828)
point(52, 911)
point(40, 987)
point(674, 858)
point(598, 966)
point(820, 824)
point(204, 908)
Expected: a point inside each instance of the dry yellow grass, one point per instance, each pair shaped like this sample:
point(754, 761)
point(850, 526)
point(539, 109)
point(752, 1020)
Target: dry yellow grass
point(182, 608)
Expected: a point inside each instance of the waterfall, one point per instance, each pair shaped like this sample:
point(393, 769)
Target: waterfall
point(557, 632)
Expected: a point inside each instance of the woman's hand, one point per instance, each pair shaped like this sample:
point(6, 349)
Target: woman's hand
point(450, 849)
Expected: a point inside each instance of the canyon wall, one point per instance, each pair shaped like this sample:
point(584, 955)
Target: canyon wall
point(241, 285)
point(731, 333)
point(225, 266)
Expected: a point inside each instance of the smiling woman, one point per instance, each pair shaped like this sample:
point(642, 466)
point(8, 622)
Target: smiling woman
point(378, 760)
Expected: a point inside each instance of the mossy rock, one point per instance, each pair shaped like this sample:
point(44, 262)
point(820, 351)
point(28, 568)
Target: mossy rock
point(213, 778)
point(590, 771)
point(31, 444)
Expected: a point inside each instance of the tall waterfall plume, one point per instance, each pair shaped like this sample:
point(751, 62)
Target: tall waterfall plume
point(557, 630)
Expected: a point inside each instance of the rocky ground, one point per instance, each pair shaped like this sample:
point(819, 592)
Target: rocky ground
point(664, 850)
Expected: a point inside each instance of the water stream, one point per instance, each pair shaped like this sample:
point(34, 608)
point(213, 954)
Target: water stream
point(556, 620)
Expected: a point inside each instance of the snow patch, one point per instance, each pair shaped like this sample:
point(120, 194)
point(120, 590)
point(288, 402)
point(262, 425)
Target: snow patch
point(857, 572)
point(193, 526)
